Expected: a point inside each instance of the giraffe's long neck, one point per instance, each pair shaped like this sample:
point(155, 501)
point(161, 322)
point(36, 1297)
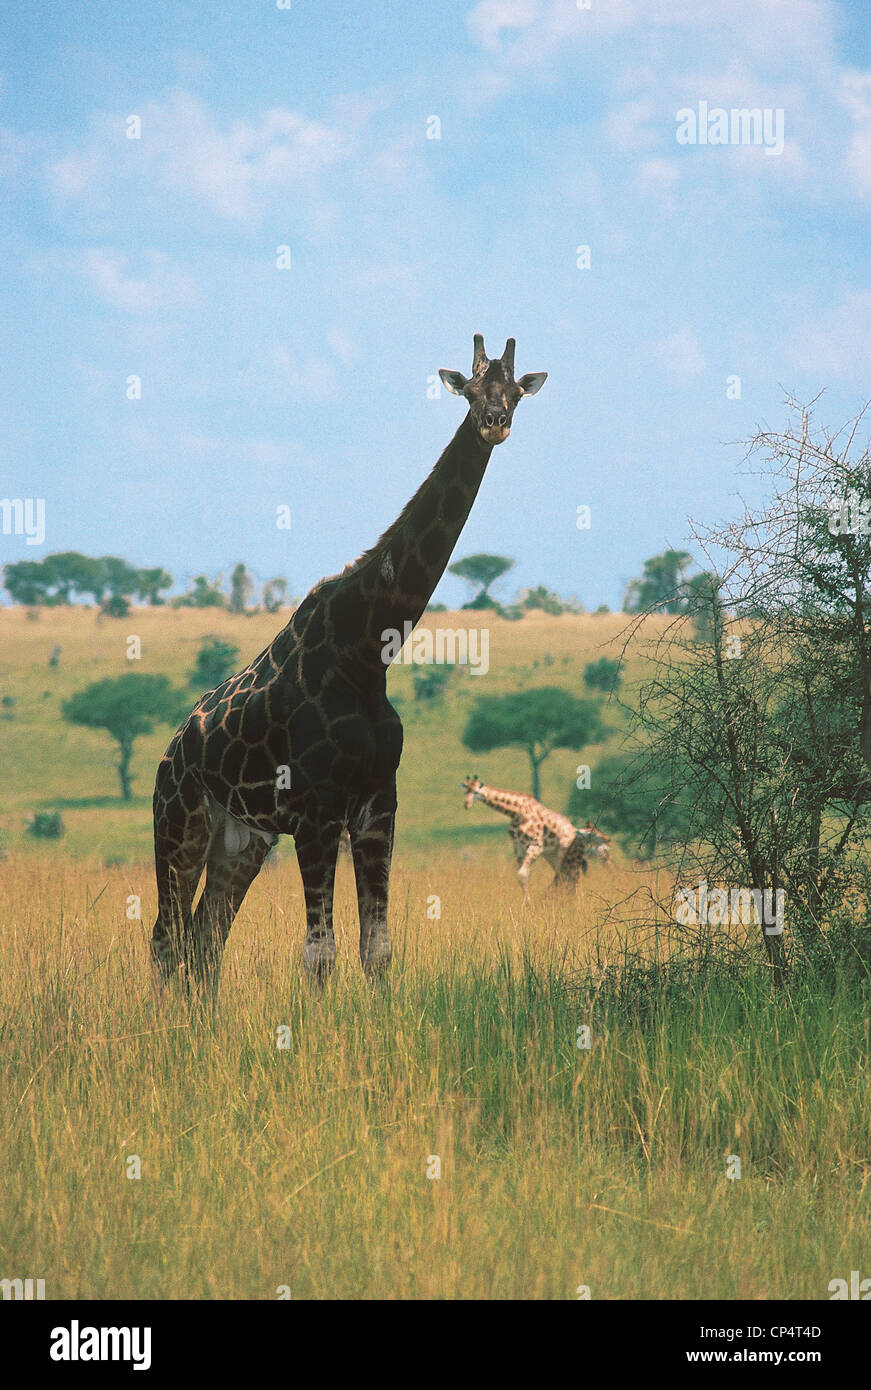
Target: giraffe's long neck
point(509, 803)
point(388, 588)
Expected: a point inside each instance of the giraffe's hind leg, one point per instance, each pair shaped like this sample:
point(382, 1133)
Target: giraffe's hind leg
point(234, 861)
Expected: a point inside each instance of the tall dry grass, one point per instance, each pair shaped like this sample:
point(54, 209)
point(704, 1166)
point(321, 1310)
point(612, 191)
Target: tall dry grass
point(307, 1167)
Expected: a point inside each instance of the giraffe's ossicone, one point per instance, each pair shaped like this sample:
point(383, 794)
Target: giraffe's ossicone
point(304, 741)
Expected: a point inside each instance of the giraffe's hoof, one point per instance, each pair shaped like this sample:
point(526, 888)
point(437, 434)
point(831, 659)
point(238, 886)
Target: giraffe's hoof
point(376, 960)
point(163, 963)
point(318, 958)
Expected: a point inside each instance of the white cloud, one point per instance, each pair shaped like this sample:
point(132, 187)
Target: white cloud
point(232, 167)
point(629, 127)
point(681, 353)
point(17, 152)
point(657, 178)
point(783, 53)
point(855, 95)
point(537, 28)
point(490, 18)
point(159, 285)
point(260, 453)
point(75, 175)
point(341, 345)
point(834, 344)
point(278, 370)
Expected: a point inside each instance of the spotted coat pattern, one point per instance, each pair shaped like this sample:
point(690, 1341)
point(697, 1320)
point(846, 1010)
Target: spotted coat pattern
point(535, 832)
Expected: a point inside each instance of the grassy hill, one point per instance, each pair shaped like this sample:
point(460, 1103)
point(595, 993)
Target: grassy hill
point(51, 765)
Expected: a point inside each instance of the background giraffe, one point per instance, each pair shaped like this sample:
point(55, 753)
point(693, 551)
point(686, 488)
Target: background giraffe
point(535, 830)
point(304, 741)
point(598, 843)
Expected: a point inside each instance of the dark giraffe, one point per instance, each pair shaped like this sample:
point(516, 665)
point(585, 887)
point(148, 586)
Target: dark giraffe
point(304, 741)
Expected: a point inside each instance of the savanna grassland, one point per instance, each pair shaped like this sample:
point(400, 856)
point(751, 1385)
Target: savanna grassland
point(306, 1166)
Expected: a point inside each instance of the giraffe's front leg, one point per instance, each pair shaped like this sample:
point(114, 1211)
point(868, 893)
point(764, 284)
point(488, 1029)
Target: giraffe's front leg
point(533, 850)
point(317, 848)
point(372, 847)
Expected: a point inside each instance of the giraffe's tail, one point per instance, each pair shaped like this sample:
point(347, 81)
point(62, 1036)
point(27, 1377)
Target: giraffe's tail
point(579, 848)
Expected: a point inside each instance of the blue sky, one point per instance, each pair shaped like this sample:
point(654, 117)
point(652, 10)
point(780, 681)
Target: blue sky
point(263, 127)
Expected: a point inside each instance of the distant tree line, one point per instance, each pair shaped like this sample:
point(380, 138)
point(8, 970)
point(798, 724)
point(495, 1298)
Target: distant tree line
point(111, 583)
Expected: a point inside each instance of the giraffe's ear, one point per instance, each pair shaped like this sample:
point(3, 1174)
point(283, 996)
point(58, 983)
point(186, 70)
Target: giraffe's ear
point(532, 382)
point(455, 381)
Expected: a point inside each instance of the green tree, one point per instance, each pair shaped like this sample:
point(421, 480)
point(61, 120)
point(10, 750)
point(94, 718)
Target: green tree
point(25, 582)
point(639, 802)
point(430, 683)
point(126, 707)
point(274, 594)
point(537, 720)
point(68, 573)
point(241, 588)
point(119, 579)
point(481, 571)
point(604, 675)
point(115, 606)
point(704, 604)
point(151, 583)
point(54, 580)
point(662, 586)
point(216, 660)
point(204, 594)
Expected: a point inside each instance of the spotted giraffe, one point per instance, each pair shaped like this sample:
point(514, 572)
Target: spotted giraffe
point(535, 831)
point(304, 741)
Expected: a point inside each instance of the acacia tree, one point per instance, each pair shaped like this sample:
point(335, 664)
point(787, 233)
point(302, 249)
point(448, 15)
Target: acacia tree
point(766, 724)
point(537, 720)
point(66, 575)
point(126, 707)
point(481, 571)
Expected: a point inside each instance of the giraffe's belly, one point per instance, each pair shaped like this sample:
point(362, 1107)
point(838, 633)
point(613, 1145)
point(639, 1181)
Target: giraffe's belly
point(304, 770)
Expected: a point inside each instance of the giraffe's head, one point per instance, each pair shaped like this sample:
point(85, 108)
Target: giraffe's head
point(472, 787)
point(594, 830)
point(491, 390)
